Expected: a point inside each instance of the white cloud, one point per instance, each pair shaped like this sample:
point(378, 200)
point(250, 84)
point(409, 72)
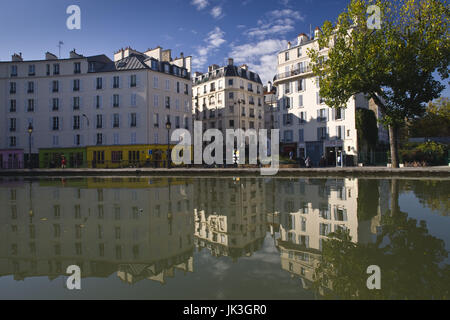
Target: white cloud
point(260, 56)
point(200, 4)
point(276, 22)
point(217, 12)
point(214, 40)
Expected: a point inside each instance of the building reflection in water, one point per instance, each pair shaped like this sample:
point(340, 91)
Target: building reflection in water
point(307, 211)
point(146, 228)
point(137, 228)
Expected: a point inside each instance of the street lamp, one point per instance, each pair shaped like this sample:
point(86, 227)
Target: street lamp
point(30, 132)
point(168, 127)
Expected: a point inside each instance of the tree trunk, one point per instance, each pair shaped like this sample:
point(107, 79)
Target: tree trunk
point(393, 141)
point(395, 190)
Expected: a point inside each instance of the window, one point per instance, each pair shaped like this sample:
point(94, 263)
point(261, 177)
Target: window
point(12, 124)
point(288, 136)
point(30, 87)
point(155, 82)
point(76, 85)
point(55, 86)
point(133, 120)
point(186, 89)
point(302, 117)
point(322, 115)
point(13, 71)
point(76, 103)
point(56, 69)
point(91, 66)
point(231, 95)
point(156, 120)
point(55, 123)
point(12, 141)
point(230, 82)
point(300, 100)
point(154, 65)
point(55, 104)
point(286, 56)
point(12, 88)
point(339, 114)
point(299, 52)
point(177, 122)
point(231, 123)
point(13, 106)
point(116, 82)
point(167, 102)
point(322, 133)
point(340, 132)
point(116, 120)
point(99, 138)
point(301, 135)
point(156, 101)
point(250, 87)
point(167, 84)
point(116, 101)
point(48, 69)
point(99, 121)
point(98, 102)
point(31, 70)
point(30, 105)
point(116, 156)
point(77, 67)
point(133, 81)
point(77, 140)
point(99, 83)
point(76, 122)
point(301, 85)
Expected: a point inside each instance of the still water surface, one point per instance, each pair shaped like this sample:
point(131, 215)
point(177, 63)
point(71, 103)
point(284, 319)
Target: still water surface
point(224, 238)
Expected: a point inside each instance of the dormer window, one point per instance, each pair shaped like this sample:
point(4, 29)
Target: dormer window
point(31, 70)
point(77, 67)
point(91, 66)
point(13, 71)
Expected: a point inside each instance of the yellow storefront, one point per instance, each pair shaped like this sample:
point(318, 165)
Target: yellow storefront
point(127, 156)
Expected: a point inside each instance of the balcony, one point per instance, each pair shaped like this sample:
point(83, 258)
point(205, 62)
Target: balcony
point(293, 73)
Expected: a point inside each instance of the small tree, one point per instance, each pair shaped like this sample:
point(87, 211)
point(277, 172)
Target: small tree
point(393, 65)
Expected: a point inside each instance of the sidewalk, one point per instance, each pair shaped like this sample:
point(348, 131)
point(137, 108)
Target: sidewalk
point(443, 172)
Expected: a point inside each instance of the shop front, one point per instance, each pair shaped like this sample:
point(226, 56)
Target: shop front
point(12, 159)
point(53, 158)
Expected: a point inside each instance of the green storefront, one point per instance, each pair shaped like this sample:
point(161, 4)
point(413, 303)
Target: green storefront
point(51, 158)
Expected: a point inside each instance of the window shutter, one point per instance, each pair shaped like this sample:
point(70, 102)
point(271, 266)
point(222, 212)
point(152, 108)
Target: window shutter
point(328, 113)
point(343, 132)
point(129, 81)
point(317, 98)
point(343, 113)
point(318, 115)
point(333, 114)
point(328, 133)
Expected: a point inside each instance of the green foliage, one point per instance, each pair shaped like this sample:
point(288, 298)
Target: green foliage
point(435, 122)
point(366, 125)
point(368, 197)
point(431, 153)
point(410, 260)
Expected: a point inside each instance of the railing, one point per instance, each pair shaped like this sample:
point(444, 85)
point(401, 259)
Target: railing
point(293, 73)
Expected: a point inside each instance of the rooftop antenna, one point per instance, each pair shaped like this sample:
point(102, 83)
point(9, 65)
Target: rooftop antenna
point(60, 44)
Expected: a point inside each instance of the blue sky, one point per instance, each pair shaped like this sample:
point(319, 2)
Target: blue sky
point(250, 31)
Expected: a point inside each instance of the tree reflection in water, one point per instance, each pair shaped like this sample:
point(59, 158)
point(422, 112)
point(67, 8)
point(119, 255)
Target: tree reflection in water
point(411, 261)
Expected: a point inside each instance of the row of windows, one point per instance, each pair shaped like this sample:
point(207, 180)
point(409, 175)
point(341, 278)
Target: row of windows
point(322, 134)
point(116, 83)
point(116, 102)
point(48, 69)
point(231, 109)
point(212, 87)
point(251, 124)
point(322, 116)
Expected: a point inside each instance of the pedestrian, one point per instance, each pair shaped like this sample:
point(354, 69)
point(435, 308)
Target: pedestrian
point(308, 162)
point(63, 162)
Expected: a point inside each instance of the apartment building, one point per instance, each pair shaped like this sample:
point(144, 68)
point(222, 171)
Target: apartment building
point(308, 127)
point(229, 97)
point(93, 110)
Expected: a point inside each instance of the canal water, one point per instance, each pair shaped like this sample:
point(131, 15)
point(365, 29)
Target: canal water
point(224, 238)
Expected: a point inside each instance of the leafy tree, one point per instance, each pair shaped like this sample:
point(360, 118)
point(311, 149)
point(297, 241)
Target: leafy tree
point(435, 122)
point(393, 65)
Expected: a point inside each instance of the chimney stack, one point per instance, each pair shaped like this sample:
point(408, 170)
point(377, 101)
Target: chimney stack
point(17, 57)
